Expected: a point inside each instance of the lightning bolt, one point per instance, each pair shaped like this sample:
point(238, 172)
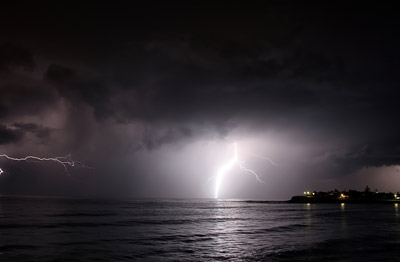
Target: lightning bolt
point(235, 160)
point(264, 158)
point(65, 161)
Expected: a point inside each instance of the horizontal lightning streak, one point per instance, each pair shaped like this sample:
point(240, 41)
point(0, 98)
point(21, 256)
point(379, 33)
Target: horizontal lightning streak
point(65, 161)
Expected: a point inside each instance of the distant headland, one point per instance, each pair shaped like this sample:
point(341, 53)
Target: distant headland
point(350, 196)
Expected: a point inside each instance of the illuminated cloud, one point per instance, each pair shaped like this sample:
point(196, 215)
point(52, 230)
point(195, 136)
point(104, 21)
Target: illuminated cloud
point(316, 92)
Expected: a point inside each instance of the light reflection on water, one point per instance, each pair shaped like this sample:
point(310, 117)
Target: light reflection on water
point(190, 230)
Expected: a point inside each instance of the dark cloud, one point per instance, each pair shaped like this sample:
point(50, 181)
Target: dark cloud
point(39, 131)
point(155, 138)
point(16, 132)
point(76, 87)
point(115, 83)
point(24, 96)
point(3, 111)
point(9, 135)
point(14, 56)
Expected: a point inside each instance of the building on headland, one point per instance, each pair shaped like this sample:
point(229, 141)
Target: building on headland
point(346, 196)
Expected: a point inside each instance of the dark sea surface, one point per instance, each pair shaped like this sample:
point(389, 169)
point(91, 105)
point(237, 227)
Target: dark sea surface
point(51, 229)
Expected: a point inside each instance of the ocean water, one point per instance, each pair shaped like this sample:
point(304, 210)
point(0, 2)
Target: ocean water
point(45, 229)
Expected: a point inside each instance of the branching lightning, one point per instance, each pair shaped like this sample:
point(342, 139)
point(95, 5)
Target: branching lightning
point(65, 161)
point(235, 160)
point(264, 158)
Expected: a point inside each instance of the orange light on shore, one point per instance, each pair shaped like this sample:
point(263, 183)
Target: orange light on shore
point(343, 196)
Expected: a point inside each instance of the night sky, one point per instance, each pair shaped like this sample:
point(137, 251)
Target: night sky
point(153, 95)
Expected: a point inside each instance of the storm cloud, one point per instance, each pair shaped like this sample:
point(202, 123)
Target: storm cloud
point(148, 94)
